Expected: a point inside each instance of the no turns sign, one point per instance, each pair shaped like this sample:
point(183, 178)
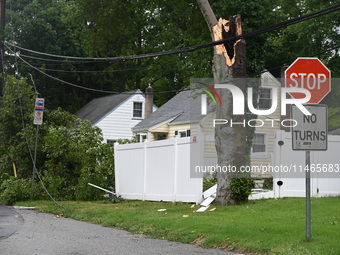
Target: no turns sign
point(311, 131)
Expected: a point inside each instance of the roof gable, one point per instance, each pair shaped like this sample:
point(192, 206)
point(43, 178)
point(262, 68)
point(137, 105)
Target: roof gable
point(185, 107)
point(99, 107)
point(272, 79)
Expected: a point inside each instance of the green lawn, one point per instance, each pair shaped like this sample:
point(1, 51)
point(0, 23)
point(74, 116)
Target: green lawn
point(259, 227)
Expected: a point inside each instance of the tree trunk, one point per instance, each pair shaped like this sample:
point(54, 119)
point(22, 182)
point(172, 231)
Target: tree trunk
point(229, 63)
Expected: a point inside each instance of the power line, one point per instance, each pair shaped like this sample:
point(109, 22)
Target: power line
point(155, 93)
point(281, 25)
point(62, 81)
point(183, 50)
point(91, 71)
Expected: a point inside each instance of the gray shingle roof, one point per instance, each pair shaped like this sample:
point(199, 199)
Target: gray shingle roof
point(99, 107)
point(335, 132)
point(185, 107)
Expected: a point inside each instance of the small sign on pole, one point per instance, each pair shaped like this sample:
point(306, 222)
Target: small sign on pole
point(39, 111)
point(311, 131)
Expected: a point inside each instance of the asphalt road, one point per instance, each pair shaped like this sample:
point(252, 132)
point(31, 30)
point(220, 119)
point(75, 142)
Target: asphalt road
point(27, 232)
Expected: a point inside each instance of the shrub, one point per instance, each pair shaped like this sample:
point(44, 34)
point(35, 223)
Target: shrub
point(241, 189)
point(208, 183)
point(268, 183)
point(15, 189)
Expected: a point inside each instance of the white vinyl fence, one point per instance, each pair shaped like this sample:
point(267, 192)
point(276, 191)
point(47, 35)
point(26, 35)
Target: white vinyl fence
point(160, 170)
point(155, 171)
point(320, 161)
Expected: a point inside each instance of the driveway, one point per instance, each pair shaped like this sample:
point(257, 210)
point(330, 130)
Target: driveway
point(27, 232)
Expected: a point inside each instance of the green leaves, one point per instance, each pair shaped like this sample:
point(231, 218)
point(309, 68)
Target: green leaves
point(70, 151)
point(15, 189)
point(78, 155)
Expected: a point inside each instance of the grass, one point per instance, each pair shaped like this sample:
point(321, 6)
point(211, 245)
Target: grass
point(258, 227)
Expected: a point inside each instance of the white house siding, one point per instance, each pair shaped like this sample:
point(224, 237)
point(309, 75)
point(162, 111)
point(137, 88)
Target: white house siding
point(209, 131)
point(117, 124)
point(271, 125)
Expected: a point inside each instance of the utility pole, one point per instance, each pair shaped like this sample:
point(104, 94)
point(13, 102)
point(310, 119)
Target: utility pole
point(2, 48)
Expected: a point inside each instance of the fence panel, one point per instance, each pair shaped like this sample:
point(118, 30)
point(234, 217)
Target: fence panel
point(158, 170)
point(295, 187)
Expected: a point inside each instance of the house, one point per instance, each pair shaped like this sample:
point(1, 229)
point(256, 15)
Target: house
point(263, 147)
point(180, 143)
point(181, 116)
point(116, 114)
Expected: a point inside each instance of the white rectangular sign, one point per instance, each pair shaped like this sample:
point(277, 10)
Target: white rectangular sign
point(39, 111)
point(310, 131)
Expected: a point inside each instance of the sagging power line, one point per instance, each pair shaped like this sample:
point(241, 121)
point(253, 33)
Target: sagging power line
point(281, 25)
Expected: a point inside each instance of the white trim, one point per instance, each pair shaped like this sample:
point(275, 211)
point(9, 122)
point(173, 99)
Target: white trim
point(182, 131)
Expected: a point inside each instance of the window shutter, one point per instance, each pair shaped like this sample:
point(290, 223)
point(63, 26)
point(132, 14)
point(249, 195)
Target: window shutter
point(176, 132)
point(188, 132)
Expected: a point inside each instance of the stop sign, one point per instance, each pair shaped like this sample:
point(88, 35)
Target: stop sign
point(310, 74)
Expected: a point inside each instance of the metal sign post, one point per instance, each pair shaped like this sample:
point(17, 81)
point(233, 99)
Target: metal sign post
point(308, 210)
point(309, 133)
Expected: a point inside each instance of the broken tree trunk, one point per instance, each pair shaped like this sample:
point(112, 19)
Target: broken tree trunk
point(229, 66)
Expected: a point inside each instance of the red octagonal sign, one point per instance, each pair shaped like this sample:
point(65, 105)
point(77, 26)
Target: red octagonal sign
point(310, 74)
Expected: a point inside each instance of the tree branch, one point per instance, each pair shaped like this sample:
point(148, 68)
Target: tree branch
point(208, 14)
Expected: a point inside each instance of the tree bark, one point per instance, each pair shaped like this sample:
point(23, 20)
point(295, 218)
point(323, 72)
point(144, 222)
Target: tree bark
point(208, 14)
point(229, 64)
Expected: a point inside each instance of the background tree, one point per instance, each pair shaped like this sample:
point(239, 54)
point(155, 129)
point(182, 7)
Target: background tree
point(116, 28)
point(311, 38)
point(123, 28)
point(42, 25)
point(70, 152)
point(16, 127)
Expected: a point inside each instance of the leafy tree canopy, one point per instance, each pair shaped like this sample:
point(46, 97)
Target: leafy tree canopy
point(126, 28)
point(70, 151)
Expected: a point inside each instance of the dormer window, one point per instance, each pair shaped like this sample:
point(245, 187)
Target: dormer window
point(137, 109)
point(182, 133)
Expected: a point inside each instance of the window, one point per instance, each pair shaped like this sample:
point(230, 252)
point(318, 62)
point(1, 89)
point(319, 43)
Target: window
point(182, 133)
point(141, 138)
point(259, 143)
point(265, 100)
point(110, 142)
point(137, 109)
point(160, 136)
